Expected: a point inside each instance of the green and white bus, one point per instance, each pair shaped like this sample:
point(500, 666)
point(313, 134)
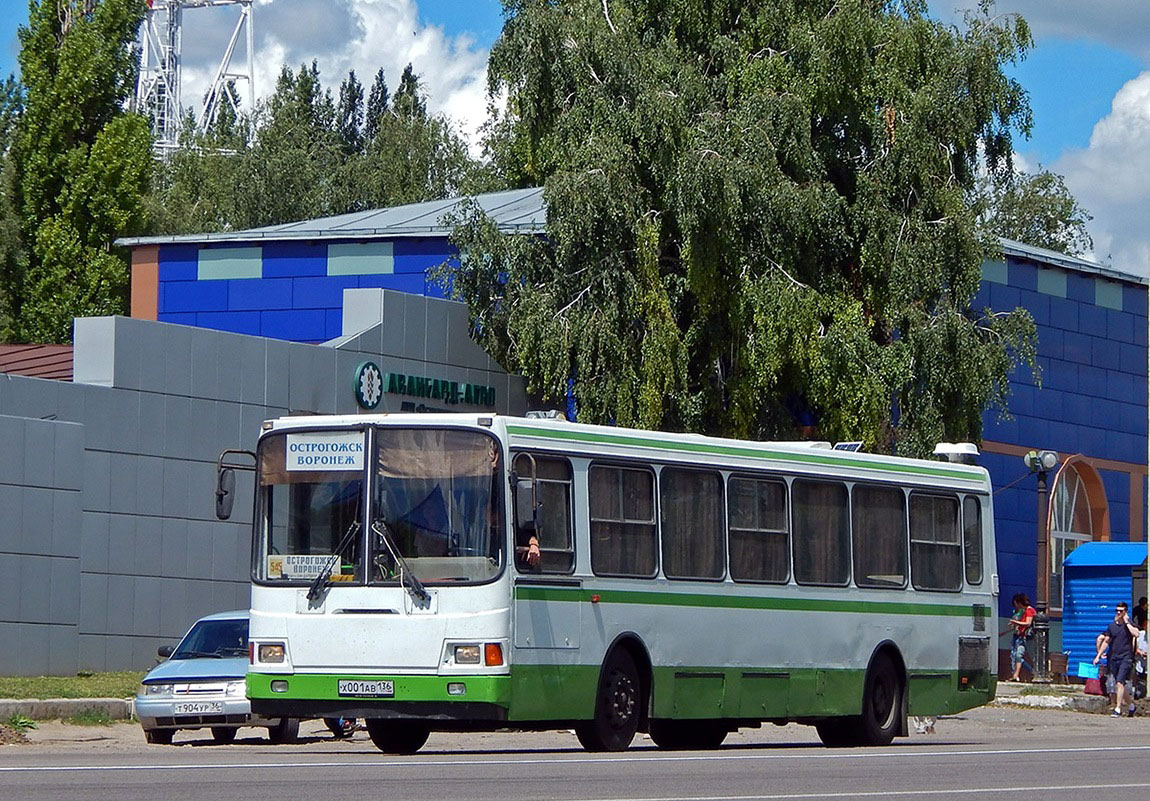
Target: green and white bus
point(683, 586)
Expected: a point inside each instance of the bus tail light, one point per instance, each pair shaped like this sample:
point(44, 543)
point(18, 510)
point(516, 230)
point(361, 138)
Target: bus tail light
point(493, 654)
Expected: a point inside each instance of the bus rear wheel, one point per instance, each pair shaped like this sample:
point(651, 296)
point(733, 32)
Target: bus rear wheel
point(882, 710)
point(397, 736)
point(688, 735)
point(618, 703)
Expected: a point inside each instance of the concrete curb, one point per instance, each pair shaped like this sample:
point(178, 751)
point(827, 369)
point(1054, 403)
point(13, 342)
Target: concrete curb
point(53, 708)
point(1077, 703)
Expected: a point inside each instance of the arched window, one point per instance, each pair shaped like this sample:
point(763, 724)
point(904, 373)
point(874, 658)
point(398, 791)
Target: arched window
point(1077, 515)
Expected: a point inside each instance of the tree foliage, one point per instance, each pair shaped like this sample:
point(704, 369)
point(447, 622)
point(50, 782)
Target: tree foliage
point(758, 215)
point(303, 154)
point(1035, 208)
point(80, 166)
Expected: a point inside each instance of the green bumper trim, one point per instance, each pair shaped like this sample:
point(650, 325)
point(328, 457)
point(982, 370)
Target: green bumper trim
point(579, 594)
point(325, 687)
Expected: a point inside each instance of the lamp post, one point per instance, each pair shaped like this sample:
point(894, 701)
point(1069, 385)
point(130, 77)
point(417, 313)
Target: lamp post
point(1040, 463)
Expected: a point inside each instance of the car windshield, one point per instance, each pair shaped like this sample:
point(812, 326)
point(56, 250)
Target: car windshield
point(214, 638)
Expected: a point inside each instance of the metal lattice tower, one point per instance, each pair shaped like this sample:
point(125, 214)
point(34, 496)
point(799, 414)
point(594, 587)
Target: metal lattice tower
point(158, 92)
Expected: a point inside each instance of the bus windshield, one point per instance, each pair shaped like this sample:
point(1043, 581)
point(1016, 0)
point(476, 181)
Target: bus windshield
point(434, 493)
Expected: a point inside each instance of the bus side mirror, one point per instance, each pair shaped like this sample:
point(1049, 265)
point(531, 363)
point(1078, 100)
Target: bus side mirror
point(225, 492)
point(164, 651)
point(526, 506)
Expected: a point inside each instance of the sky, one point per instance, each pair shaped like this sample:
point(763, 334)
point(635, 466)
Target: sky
point(1088, 77)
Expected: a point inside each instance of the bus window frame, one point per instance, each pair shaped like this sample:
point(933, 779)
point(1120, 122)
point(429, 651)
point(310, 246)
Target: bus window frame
point(980, 539)
point(642, 467)
point(769, 478)
point(901, 490)
point(846, 485)
point(521, 570)
point(934, 492)
point(724, 553)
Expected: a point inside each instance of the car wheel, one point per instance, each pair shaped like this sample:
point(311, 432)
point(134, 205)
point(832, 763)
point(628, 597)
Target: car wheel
point(224, 734)
point(397, 736)
point(159, 736)
point(617, 706)
point(286, 731)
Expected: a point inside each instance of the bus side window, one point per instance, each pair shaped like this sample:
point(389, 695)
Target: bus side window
point(822, 538)
point(759, 534)
point(691, 503)
point(556, 540)
point(935, 548)
point(972, 538)
point(622, 505)
point(879, 535)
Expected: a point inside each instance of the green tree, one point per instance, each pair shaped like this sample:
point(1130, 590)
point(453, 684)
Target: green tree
point(81, 165)
point(378, 102)
point(758, 215)
point(1035, 208)
point(349, 114)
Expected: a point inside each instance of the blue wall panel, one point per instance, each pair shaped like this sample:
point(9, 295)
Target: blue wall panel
point(298, 325)
point(178, 318)
point(193, 296)
point(1023, 274)
point(1080, 287)
point(1120, 326)
point(1092, 319)
point(420, 255)
point(322, 293)
point(1004, 297)
point(292, 259)
point(1064, 314)
point(1134, 300)
point(334, 326)
point(178, 262)
point(1037, 304)
point(254, 294)
point(239, 322)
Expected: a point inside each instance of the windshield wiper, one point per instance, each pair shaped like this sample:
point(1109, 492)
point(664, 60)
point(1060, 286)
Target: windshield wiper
point(197, 655)
point(324, 577)
point(412, 584)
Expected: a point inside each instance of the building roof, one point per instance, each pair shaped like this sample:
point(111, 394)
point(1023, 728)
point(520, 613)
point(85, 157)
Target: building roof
point(514, 211)
point(1107, 554)
point(1020, 250)
point(37, 361)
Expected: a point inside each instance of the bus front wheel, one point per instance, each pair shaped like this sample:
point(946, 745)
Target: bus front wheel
point(618, 703)
point(397, 736)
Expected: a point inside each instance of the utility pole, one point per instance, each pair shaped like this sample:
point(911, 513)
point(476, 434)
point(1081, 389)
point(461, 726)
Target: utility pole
point(1040, 463)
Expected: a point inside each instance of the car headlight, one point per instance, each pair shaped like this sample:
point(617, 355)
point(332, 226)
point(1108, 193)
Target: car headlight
point(156, 689)
point(237, 687)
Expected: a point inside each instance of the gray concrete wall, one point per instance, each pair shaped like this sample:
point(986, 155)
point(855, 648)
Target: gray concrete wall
point(109, 545)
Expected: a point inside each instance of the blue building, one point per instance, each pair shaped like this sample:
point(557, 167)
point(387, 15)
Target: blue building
point(287, 282)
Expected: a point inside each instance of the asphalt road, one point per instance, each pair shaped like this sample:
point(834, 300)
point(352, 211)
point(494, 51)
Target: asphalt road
point(985, 753)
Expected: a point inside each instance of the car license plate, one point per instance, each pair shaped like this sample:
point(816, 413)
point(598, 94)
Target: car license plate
point(198, 707)
point(382, 688)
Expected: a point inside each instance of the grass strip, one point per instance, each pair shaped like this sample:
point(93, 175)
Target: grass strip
point(84, 685)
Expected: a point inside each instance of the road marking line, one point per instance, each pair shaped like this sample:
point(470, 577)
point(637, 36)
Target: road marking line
point(416, 761)
point(915, 792)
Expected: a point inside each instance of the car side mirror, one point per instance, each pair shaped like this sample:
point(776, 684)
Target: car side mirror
point(225, 492)
point(164, 651)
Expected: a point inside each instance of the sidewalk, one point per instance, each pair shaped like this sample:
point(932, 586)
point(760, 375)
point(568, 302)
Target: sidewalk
point(53, 708)
point(1049, 696)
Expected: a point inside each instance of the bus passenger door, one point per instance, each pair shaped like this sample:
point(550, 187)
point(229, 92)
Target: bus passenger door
point(547, 614)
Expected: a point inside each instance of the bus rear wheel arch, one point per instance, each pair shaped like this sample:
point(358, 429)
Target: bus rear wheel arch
point(620, 701)
point(883, 714)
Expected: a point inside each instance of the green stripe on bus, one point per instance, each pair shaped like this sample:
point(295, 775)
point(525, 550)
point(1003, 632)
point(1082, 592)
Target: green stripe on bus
point(325, 687)
point(733, 450)
point(654, 598)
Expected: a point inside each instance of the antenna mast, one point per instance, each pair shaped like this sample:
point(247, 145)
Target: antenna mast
point(158, 91)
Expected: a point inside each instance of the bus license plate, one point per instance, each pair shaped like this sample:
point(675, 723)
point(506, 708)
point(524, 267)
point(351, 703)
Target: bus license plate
point(382, 688)
point(198, 708)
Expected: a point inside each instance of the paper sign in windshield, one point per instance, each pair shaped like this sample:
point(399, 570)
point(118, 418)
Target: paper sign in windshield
point(297, 566)
point(341, 450)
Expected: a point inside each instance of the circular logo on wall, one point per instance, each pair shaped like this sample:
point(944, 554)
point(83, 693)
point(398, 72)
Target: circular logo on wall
point(368, 385)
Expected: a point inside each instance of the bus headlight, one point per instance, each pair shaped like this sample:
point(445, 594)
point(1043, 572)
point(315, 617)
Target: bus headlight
point(271, 652)
point(467, 654)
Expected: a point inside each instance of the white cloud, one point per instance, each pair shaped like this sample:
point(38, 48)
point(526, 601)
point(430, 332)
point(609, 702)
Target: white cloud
point(340, 35)
point(1109, 179)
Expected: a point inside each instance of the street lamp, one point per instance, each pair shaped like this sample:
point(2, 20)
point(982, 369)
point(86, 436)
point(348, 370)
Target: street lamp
point(1039, 463)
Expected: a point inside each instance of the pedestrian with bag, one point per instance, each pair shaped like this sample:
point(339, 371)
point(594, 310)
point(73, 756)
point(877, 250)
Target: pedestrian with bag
point(1021, 628)
point(1117, 643)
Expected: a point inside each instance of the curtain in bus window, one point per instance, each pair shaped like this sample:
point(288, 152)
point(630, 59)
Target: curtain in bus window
point(758, 530)
point(879, 533)
point(692, 517)
point(972, 539)
point(935, 552)
point(438, 491)
point(622, 503)
point(821, 532)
